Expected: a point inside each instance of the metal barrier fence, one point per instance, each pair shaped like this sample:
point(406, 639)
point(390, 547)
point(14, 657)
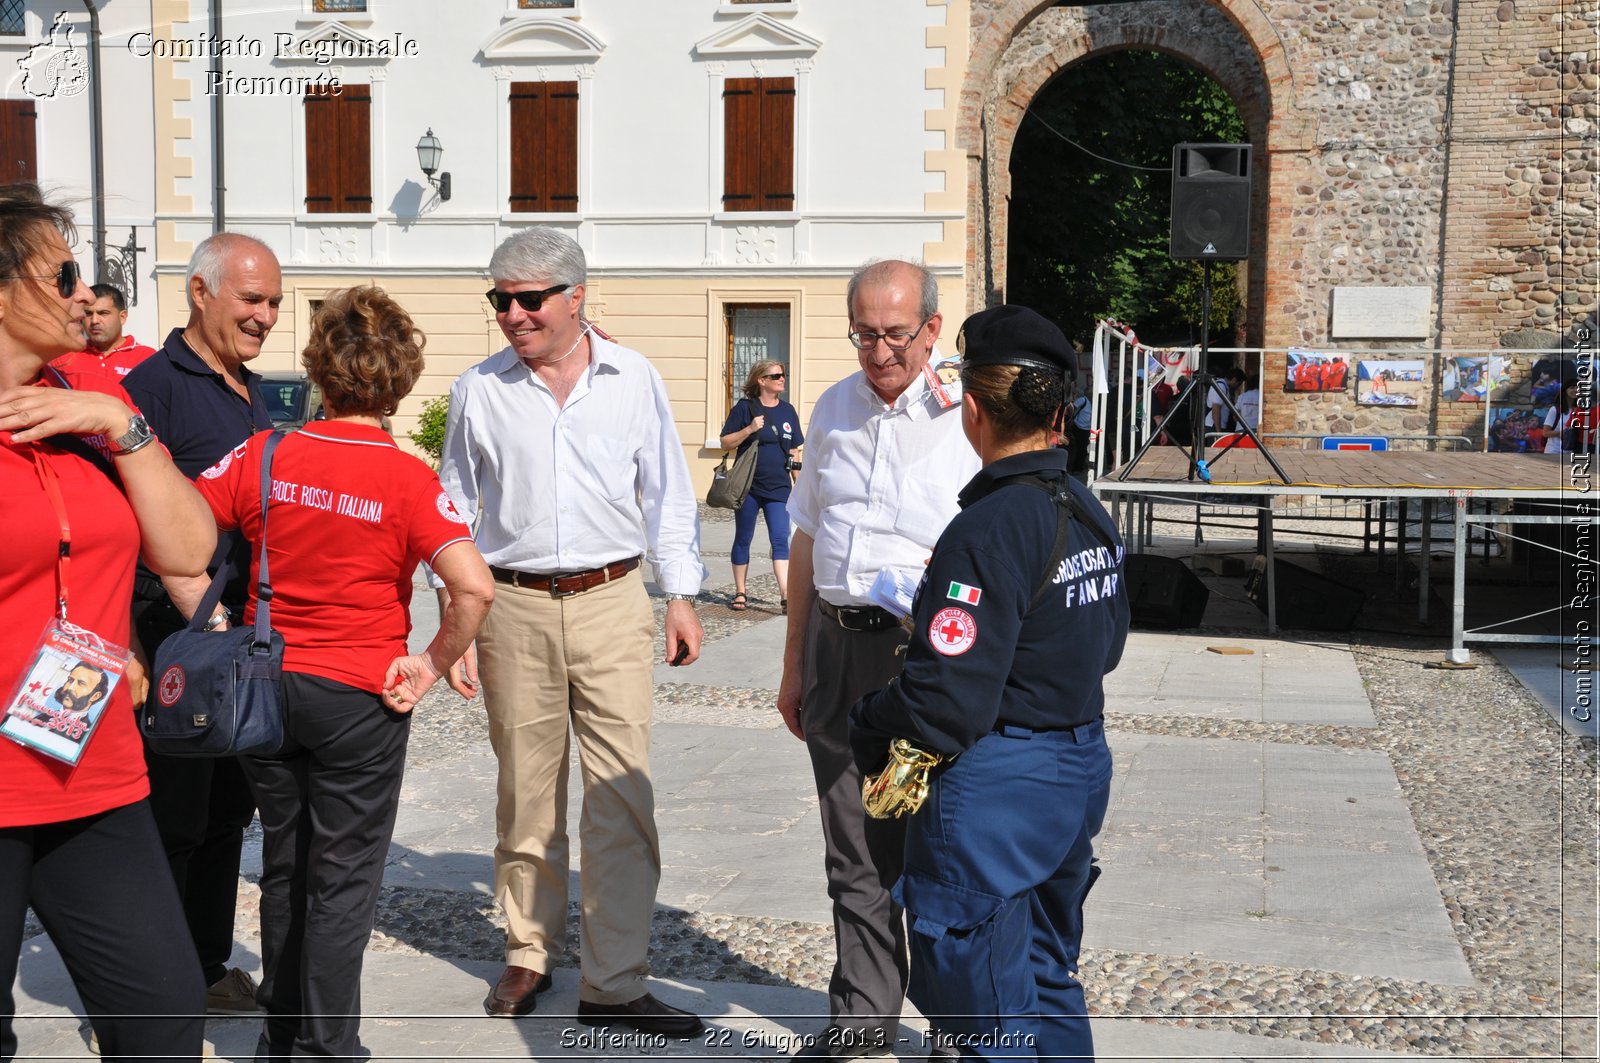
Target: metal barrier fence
point(1122, 410)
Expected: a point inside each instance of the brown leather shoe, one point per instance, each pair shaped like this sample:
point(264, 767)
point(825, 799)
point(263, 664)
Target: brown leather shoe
point(646, 1014)
point(516, 994)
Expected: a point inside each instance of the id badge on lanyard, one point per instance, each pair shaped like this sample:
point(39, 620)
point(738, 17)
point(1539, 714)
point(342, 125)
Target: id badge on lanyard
point(64, 690)
point(944, 380)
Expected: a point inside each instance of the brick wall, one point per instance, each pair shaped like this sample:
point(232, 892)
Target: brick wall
point(1421, 143)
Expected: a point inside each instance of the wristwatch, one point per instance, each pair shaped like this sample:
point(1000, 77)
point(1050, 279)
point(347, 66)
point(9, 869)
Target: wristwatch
point(217, 619)
point(137, 437)
point(690, 598)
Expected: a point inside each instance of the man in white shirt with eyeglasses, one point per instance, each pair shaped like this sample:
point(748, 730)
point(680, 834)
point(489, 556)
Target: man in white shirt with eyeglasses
point(885, 458)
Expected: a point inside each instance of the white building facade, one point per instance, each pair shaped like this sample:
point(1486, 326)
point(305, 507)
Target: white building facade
point(726, 164)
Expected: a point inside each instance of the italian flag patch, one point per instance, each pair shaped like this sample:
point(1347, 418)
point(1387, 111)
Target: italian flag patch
point(963, 593)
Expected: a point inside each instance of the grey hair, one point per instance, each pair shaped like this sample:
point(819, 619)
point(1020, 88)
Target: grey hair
point(537, 253)
point(881, 271)
point(210, 261)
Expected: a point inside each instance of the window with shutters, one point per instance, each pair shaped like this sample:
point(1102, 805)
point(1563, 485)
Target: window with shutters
point(544, 147)
point(758, 144)
point(339, 149)
point(18, 159)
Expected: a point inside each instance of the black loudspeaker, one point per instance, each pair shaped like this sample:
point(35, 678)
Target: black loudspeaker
point(1305, 598)
point(1162, 592)
point(1211, 201)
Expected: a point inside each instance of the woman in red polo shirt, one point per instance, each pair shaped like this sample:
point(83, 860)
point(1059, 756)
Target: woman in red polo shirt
point(86, 492)
point(349, 519)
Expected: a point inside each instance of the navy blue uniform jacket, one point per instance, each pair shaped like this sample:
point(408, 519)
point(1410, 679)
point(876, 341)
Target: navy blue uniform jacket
point(981, 653)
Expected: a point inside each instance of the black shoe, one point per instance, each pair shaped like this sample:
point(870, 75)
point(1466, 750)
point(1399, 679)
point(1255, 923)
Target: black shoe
point(646, 1014)
point(838, 1043)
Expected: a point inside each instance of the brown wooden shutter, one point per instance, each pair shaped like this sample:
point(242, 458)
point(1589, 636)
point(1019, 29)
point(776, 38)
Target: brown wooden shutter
point(19, 159)
point(544, 146)
point(741, 144)
point(758, 144)
point(561, 146)
point(355, 149)
point(322, 155)
point(339, 149)
point(527, 129)
point(777, 144)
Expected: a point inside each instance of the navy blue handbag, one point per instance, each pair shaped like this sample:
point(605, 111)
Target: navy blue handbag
point(220, 693)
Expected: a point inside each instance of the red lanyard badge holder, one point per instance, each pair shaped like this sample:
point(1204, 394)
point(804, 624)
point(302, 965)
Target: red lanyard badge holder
point(63, 693)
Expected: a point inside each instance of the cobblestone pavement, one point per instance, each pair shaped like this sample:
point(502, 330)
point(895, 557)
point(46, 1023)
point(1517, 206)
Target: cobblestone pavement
point(1502, 799)
point(1503, 802)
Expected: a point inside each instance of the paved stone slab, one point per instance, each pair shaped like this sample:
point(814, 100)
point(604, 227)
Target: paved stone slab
point(1243, 851)
point(736, 810)
point(1283, 855)
point(751, 659)
point(1566, 695)
point(1280, 682)
point(423, 1008)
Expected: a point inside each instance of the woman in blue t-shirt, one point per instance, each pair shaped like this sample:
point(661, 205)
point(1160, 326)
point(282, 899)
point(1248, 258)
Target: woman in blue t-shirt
point(763, 419)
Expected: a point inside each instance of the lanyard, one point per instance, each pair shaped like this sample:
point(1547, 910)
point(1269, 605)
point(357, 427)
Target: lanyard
point(52, 488)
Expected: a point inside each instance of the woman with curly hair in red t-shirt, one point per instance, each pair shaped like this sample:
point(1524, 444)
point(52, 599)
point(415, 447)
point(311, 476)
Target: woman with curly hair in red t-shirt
point(350, 518)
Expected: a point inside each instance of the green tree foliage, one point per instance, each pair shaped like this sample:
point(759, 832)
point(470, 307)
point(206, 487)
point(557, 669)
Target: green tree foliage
point(429, 433)
point(1089, 237)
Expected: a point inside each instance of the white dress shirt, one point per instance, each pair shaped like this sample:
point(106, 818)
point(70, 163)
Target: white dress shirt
point(1249, 406)
point(552, 488)
point(879, 484)
point(1216, 412)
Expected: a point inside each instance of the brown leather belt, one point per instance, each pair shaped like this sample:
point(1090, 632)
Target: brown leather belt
point(565, 584)
point(858, 617)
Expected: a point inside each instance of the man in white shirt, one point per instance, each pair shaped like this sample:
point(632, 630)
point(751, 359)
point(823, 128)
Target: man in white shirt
point(885, 459)
point(1249, 405)
point(561, 450)
point(1218, 419)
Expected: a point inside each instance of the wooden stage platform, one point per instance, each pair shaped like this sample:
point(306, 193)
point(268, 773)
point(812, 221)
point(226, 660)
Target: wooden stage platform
point(1471, 484)
point(1357, 474)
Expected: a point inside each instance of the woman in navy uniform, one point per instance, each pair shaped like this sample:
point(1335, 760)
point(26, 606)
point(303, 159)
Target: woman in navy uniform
point(1022, 611)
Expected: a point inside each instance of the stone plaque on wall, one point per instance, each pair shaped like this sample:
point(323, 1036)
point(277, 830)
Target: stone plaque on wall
point(1381, 313)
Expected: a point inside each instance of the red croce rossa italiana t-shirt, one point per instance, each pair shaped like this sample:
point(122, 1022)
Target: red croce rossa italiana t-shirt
point(349, 519)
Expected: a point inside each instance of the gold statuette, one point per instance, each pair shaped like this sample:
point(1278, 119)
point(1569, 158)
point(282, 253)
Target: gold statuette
point(902, 785)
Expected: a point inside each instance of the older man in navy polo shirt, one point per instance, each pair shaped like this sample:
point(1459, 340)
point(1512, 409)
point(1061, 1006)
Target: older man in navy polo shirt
point(202, 402)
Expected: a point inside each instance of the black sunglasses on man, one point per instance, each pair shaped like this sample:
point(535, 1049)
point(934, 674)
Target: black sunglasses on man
point(529, 301)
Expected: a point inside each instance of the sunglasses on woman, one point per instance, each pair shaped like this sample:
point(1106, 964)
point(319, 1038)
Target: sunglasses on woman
point(771, 376)
point(66, 278)
point(529, 301)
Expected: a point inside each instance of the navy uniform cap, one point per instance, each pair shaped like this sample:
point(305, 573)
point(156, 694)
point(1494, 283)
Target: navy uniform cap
point(1014, 335)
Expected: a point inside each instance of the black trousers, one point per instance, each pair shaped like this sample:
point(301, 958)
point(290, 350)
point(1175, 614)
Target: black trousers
point(100, 887)
point(328, 805)
point(864, 857)
point(202, 806)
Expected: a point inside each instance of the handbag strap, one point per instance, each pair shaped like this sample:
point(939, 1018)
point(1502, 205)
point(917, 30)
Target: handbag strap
point(225, 572)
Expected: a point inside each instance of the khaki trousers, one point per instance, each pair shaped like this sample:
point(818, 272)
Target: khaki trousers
point(582, 662)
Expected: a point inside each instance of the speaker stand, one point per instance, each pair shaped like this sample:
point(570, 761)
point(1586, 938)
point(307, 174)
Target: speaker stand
point(1195, 395)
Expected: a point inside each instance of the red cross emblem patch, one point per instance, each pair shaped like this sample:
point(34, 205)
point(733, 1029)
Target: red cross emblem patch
point(953, 632)
point(171, 686)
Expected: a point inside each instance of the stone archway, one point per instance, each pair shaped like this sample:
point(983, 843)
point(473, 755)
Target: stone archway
point(1018, 46)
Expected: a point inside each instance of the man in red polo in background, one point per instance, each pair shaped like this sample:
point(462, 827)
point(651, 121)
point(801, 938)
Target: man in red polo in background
point(108, 348)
